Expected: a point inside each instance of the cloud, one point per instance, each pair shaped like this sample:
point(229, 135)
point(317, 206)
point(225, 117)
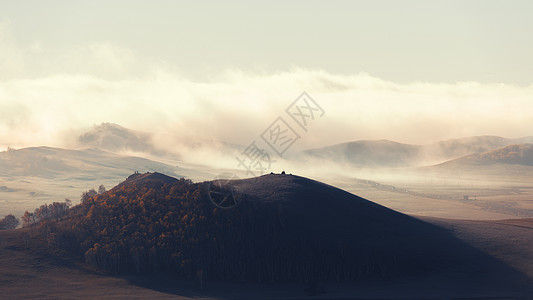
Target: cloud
point(47, 95)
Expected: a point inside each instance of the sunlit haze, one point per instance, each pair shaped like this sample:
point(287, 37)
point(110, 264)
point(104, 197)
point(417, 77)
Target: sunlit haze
point(412, 72)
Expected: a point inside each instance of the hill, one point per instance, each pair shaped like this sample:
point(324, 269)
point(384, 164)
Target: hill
point(115, 138)
point(50, 162)
point(33, 176)
point(389, 154)
point(369, 154)
point(288, 232)
point(284, 229)
point(455, 148)
point(508, 161)
point(512, 154)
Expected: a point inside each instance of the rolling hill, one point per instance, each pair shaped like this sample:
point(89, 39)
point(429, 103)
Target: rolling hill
point(33, 176)
point(49, 162)
point(455, 148)
point(370, 154)
point(512, 154)
point(516, 158)
point(389, 154)
point(512, 163)
point(285, 228)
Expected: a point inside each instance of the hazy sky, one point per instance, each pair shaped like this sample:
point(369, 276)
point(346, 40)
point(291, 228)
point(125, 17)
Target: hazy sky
point(410, 71)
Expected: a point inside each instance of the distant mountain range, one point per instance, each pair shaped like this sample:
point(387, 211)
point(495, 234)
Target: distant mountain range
point(389, 154)
point(360, 154)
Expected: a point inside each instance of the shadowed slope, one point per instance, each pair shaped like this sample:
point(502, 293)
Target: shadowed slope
point(285, 229)
point(330, 217)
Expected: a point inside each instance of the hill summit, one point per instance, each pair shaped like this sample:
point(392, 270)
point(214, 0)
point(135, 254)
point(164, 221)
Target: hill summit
point(115, 138)
point(148, 179)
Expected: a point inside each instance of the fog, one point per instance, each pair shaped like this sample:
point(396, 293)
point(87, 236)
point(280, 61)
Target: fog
point(236, 107)
point(51, 96)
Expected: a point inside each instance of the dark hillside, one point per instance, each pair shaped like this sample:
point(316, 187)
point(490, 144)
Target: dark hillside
point(285, 229)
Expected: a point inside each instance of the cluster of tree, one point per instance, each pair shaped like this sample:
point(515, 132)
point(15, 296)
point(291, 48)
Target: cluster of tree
point(56, 210)
point(53, 211)
point(91, 193)
point(9, 222)
point(175, 228)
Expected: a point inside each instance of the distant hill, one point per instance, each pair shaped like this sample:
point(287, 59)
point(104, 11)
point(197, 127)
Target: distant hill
point(513, 154)
point(286, 229)
point(378, 153)
point(456, 148)
point(115, 138)
point(30, 177)
point(389, 154)
point(52, 162)
point(112, 137)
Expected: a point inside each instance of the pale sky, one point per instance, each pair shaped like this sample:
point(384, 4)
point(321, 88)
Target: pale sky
point(410, 71)
point(402, 41)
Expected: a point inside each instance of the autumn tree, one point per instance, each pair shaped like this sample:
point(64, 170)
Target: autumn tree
point(87, 195)
point(9, 222)
point(101, 189)
point(56, 210)
point(28, 219)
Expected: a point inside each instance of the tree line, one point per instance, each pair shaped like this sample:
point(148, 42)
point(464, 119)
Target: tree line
point(55, 210)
